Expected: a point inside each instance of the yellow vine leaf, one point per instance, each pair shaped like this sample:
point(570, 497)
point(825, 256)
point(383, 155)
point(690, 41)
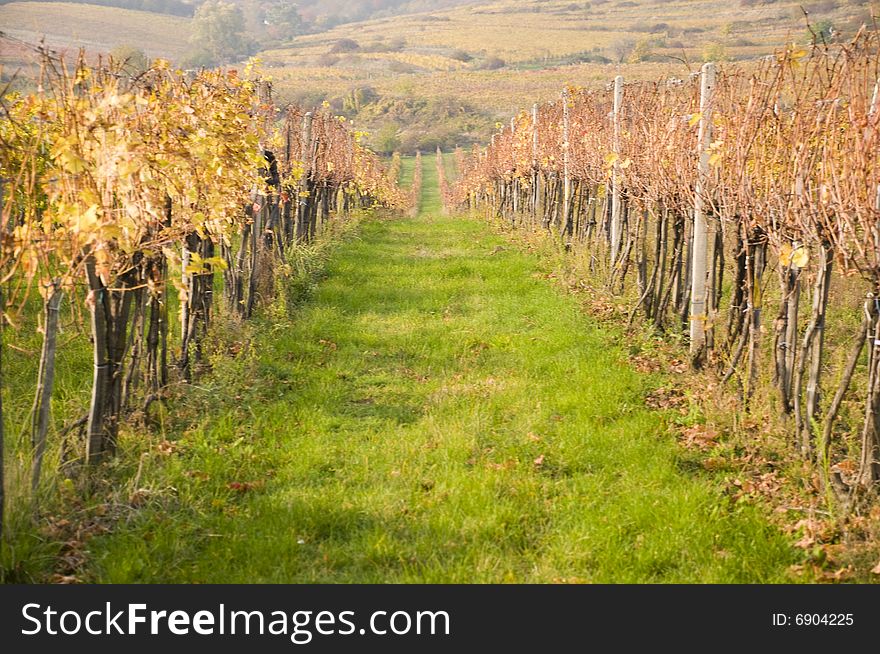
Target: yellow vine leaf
point(71, 162)
point(785, 254)
point(795, 256)
point(87, 221)
point(216, 262)
point(800, 257)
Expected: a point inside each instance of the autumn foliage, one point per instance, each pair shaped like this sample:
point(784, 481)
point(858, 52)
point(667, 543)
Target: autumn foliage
point(116, 188)
point(793, 185)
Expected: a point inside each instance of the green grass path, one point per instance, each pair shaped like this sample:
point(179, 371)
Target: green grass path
point(439, 412)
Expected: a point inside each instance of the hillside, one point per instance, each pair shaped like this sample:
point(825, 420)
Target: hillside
point(447, 75)
point(538, 33)
point(98, 29)
point(328, 13)
point(491, 59)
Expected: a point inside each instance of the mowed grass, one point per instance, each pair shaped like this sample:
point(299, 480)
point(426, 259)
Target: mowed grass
point(407, 169)
point(437, 412)
point(431, 203)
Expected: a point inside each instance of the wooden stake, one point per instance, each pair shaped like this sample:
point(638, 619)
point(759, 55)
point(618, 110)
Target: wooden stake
point(566, 176)
point(615, 175)
point(536, 174)
point(698, 269)
point(97, 429)
point(304, 201)
point(45, 380)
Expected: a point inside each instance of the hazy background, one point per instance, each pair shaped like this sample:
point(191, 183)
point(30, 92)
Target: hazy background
point(416, 74)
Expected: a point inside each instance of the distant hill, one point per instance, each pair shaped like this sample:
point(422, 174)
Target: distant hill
point(329, 13)
point(318, 14)
point(160, 27)
point(69, 26)
point(541, 33)
point(445, 76)
point(443, 72)
point(173, 7)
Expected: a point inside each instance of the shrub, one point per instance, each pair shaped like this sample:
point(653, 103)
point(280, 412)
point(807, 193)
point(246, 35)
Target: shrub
point(397, 44)
point(130, 60)
point(218, 31)
point(714, 52)
point(492, 63)
point(344, 45)
point(822, 30)
point(387, 139)
point(327, 60)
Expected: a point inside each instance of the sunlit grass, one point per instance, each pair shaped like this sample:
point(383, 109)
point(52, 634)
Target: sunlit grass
point(438, 412)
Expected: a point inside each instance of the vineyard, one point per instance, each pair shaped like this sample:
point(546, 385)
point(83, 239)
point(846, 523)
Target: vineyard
point(736, 208)
point(632, 338)
point(134, 201)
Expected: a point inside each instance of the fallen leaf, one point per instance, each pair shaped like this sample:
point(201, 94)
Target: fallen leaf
point(244, 486)
point(65, 579)
point(702, 437)
point(806, 542)
point(166, 448)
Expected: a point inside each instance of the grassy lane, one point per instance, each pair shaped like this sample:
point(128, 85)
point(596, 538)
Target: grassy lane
point(406, 172)
point(431, 203)
point(437, 412)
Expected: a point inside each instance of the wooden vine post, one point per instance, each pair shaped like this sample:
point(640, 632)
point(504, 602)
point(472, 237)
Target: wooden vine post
point(566, 164)
point(616, 208)
point(305, 191)
point(45, 379)
point(536, 171)
point(495, 191)
point(700, 239)
point(514, 183)
point(101, 365)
